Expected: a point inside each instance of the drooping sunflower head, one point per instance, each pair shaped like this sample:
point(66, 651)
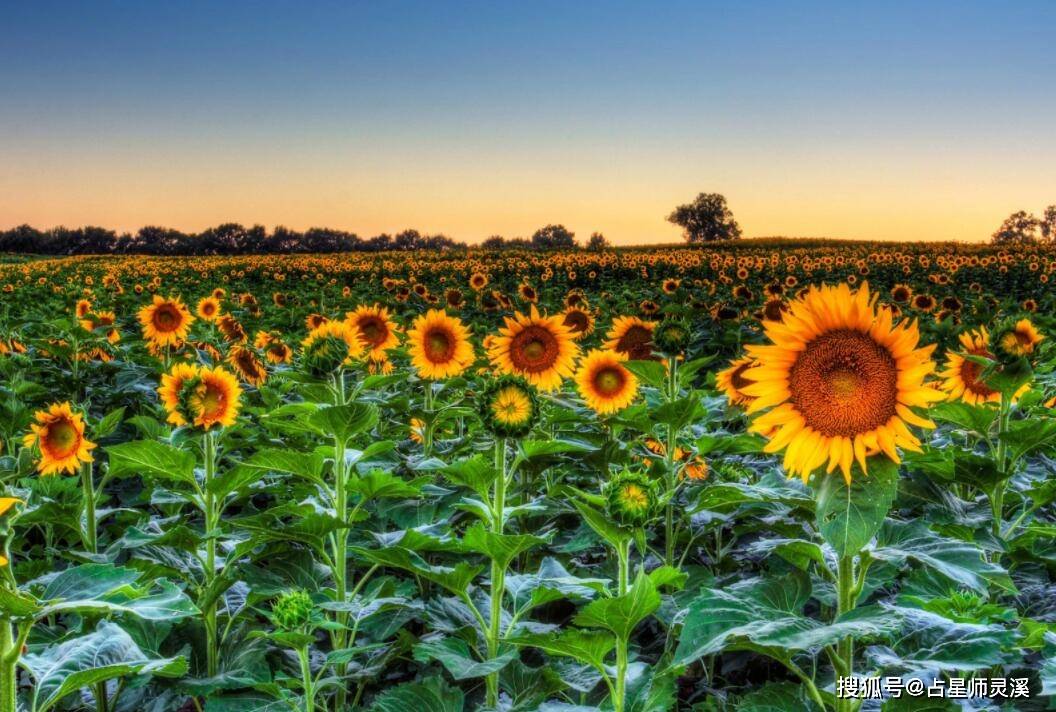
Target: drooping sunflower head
point(840, 379)
point(232, 329)
point(631, 336)
point(508, 407)
point(331, 346)
point(604, 383)
point(631, 499)
point(963, 377)
point(579, 320)
point(540, 349)
point(165, 321)
point(376, 330)
point(1014, 341)
point(247, 365)
point(732, 382)
point(672, 336)
point(439, 345)
point(82, 308)
point(208, 308)
point(58, 434)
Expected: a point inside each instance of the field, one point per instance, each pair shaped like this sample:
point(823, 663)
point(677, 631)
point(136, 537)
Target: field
point(748, 477)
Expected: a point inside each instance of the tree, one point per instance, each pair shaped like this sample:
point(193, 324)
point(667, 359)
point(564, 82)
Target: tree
point(597, 242)
point(1047, 225)
point(1018, 228)
point(553, 237)
point(706, 219)
point(495, 242)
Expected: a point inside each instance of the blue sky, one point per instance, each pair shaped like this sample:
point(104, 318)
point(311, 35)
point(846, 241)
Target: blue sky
point(474, 118)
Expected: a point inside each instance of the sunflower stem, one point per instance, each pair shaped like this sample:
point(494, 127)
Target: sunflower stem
point(498, 572)
point(623, 585)
point(88, 491)
point(211, 515)
point(9, 655)
point(845, 603)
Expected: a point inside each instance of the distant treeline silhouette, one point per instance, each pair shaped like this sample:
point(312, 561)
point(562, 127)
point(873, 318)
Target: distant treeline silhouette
point(236, 239)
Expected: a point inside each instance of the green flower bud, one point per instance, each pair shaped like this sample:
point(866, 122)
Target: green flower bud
point(293, 610)
point(631, 499)
point(508, 407)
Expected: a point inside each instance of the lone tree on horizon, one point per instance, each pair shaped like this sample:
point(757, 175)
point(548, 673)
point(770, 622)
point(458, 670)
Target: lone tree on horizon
point(706, 219)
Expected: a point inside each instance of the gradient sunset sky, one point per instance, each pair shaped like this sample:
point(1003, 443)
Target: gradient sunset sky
point(914, 120)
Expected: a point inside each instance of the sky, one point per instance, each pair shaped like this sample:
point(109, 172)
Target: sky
point(894, 120)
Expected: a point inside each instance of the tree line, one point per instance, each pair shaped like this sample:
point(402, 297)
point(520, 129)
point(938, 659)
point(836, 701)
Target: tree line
point(1024, 228)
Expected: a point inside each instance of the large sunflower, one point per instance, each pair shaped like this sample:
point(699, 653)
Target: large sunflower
point(376, 330)
point(604, 382)
point(439, 345)
point(539, 349)
point(631, 336)
point(216, 400)
point(59, 435)
point(840, 379)
point(962, 376)
point(165, 321)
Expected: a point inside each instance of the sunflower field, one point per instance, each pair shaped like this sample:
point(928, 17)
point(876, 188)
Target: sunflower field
point(769, 476)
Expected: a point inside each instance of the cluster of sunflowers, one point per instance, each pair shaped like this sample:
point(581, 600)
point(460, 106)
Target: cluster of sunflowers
point(637, 394)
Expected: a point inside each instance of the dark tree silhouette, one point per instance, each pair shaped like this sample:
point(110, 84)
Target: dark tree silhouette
point(553, 237)
point(706, 219)
point(1018, 228)
point(1047, 224)
point(597, 242)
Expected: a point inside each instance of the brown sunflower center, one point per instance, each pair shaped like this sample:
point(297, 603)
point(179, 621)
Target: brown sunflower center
point(62, 438)
point(533, 349)
point(844, 383)
point(439, 345)
point(373, 330)
point(970, 371)
point(737, 377)
point(636, 342)
point(167, 318)
point(212, 401)
point(577, 321)
point(609, 381)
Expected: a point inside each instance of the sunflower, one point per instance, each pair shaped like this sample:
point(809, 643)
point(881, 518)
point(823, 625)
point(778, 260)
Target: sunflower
point(83, 308)
point(631, 336)
point(1018, 340)
point(961, 377)
point(439, 345)
point(247, 365)
point(59, 435)
point(215, 400)
point(732, 382)
point(924, 302)
point(840, 379)
point(173, 394)
point(376, 330)
point(540, 349)
point(232, 329)
point(605, 383)
point(331, 345)
point(101, 319)
point(508, 407)
point(165, 321)
point(208, 308)
point(477, 281)
point(631, 499)
point(579, 321)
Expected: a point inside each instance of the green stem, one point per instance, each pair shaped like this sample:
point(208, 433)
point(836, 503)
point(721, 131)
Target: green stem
point(339, 542)
point(9, 655)
point(997, 499)
point(209, 614)
point(306, 680)
point(498, 572)
point(88, 495)
point(846, 600)
point(623, 555)
point(669, 469)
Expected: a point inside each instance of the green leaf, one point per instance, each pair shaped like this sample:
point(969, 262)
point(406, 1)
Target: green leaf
point(455, 656)
point(429, 695)
point(962, 563)
point(17, 604)
point(931, 642)
point(849, 516)
point(590, 647)
point(385, 485)
point(476, 473)
point(973, 418)
point(88, 581)
point(777, 697)
point(151, 459)
point(622, 614)
point(105, 654)
point(650, 373)
point(288, 462)
point(602, 524)
point(344, 421)
point(502, 548)
point(1028, 436)
point(108, 424)
point(456, 580)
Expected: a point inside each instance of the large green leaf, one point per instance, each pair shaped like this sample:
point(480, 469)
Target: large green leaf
point(963, 563)
point(454, 654)
point(287, 462)
point(429, 695)
point(591, 647)
point(850, 516)
point(621, 614)
point(456, 579)
point(502, 548)
point(928, 641)
point(151, 459)
point(344, 421)
point(107, 653)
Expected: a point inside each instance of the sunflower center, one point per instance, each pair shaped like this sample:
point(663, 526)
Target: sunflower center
point(62, 438)
point(608, 381)
point(738, 379)
point(212, 401)
point(166, 318)
point(439, 345)
point(970, 371)
point(844, 383)
point(634, 497)
point(533, 349)
point(577, 321)
point(636, 342)
point(372, 331)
